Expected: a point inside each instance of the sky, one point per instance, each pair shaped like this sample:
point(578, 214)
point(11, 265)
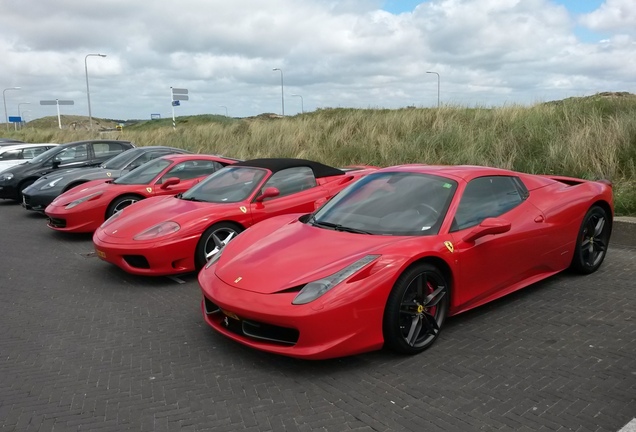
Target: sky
point(330, 54)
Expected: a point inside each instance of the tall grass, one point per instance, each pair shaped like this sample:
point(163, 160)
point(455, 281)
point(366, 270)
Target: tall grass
point(590, 138)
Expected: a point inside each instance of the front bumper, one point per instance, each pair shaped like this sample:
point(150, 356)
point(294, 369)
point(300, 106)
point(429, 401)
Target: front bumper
point(157, 258)
point(79, 221)
point(9, 191)
point(36, 201)
point(322, 329)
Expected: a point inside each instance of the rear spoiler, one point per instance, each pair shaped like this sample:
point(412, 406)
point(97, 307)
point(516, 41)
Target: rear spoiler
point(572, 181)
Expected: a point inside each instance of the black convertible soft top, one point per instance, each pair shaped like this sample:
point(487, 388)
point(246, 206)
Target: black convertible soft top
point(278, 164)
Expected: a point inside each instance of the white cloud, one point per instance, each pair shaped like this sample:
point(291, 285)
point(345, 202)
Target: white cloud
point(613, 16)
point(334, 53)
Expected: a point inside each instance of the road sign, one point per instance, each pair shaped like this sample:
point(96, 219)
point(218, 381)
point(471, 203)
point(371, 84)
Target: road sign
point(179, 97)
point(176, 103)
point(178, 91)
point(155, 116)
point(57, 102)
point(15, 119)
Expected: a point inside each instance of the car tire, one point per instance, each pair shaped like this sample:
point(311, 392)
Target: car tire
point(592, 241)
point(208, 246)
point(416, 309)
point(120, 203)
point(25, 184)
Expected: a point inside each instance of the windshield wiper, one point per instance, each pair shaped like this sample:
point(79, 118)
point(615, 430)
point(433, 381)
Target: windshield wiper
point(180, 196)
point(337, 227)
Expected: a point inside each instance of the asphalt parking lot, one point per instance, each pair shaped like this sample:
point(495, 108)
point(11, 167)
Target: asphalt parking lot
point(85, 346)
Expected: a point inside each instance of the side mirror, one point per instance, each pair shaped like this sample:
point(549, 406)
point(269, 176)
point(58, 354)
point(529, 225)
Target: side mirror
point(56, 164)
point(270, 192)
point(170, 182)
point(486, 227)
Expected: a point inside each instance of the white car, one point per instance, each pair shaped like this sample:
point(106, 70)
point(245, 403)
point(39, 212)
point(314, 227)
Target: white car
point(19, 153)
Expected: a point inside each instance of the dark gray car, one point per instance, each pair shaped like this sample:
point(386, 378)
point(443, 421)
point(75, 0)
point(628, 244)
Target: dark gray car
point(41, 193)
point(70, 155)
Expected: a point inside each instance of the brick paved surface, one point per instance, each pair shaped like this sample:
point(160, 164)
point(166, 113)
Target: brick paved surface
point(84, 346)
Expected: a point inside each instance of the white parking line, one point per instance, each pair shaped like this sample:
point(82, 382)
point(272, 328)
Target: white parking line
point(629, 427)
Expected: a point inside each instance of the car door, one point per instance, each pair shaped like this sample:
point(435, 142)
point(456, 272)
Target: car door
point(491, 265)
point(298, 193)
point(102, 151)
point(75, 156)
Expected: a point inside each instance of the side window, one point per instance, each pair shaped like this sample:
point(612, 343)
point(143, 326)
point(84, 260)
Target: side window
point(11, 155)
point(30, 153)
point(146, 157)
point(292, 180)
point(192, 169)
point(106, 150)
point(73, 154)
point(486, 197)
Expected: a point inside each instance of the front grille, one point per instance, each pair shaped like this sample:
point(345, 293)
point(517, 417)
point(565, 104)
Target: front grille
point(138, 261)
point(252, 329)
point(271, 333)
point(57, 222)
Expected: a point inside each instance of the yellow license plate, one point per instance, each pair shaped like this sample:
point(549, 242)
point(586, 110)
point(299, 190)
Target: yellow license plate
point(230, 314)
point(101, 254)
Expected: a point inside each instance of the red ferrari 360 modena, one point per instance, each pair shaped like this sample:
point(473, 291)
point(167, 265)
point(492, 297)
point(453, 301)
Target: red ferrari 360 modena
point(390, 257)
point(86, 207)
point(178, 234)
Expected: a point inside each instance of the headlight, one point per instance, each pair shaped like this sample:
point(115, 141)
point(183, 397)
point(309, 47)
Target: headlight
point(214, 259)
point(313, 290)
point(81, 200)
point(50, 184)
point(6, 176)
point(159, 230)
point(111, 219)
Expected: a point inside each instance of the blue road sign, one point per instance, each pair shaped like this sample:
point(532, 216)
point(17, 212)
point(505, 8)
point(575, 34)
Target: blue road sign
point(15, 119)
point(176, 103)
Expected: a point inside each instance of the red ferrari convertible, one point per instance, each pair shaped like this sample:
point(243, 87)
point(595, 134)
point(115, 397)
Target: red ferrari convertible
point(390, 257)
point(178, 234)
point(86, 207)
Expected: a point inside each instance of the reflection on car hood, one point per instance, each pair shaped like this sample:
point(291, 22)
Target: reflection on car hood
point(151, 211)
point(267, 260)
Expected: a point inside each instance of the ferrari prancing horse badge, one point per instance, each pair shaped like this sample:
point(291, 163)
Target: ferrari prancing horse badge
point(243, 209)
point(149, 189)
point(449, 246)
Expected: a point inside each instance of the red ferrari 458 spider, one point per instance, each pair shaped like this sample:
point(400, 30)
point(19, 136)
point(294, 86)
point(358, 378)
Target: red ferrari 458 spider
point(177, 234)
point(390, 257)
point(86, 207)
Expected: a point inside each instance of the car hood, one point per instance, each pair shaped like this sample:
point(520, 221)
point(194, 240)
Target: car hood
point(269, 259)
point(81, 191)
point(152, 211)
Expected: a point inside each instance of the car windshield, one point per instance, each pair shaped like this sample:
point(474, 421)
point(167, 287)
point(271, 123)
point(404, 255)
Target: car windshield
point(122, 160)
point(389, 203)
point(145, 173)
point(47, 154)
point(228, 185)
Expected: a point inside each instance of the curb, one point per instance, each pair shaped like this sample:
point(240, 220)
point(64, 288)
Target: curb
point(624, 232)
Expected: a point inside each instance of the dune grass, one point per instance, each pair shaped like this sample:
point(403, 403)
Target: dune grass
point(590, 138)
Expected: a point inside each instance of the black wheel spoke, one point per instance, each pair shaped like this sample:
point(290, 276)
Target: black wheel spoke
point(433, 298)
point(414, 330)
point(431, 324)
point(421, 282)
point(598, 229)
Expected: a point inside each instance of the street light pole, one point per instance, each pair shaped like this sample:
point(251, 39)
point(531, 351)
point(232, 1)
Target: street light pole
point(20, 115)
point(431, 72)
point(88, 92)
point(302, 104)
point(223, 106)
point(4, 99)
point(282, 95)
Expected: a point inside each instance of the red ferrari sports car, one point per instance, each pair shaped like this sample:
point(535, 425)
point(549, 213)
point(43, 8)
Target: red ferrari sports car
point(178, 234)
point(86, 207)
point(390, 257)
